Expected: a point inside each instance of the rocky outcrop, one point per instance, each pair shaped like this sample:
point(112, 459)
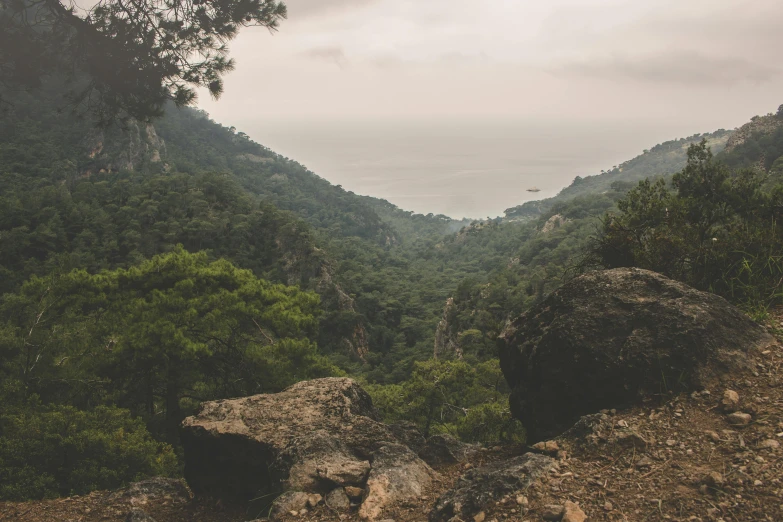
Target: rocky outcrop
point(758, 125)
point(131, 147)
point(397, 475)
point(313, 438)
point(443, 450)
point(446, 343)
point(609, 339)
point(150, 493)
point(482, 487)
point(409, 434)
point(553, 223)
point(153, 490)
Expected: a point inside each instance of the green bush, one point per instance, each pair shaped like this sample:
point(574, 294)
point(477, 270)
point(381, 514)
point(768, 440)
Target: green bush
point(60, 450)
point(468, 401)
point(715, 229)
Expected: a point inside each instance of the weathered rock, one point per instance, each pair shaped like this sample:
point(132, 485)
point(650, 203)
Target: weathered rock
point(397, 475)
point(629, 439)
point(287, 502)
point(479, 488)
point(573, 513)
point(739, 418)
point(313, 500)
point(770, 444)
point(609, 339)
point(156, 490)
point(552, 512)
point(311, 437)
point(730, 401)
point(138, 515)
point(320, 462)
point(644, 463)
point(354, 492)
point(409, 434)
point(589, 429)
point(713, 479)
point(338, 500)
point(550, 447)
point(443, 450)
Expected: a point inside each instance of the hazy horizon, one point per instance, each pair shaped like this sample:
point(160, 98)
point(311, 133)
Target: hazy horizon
point(460, 167)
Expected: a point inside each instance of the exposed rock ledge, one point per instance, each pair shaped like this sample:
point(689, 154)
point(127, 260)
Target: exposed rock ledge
point(315, 437)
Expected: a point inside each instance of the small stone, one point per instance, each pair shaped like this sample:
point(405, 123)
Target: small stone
point(293, 513)
point(549, 446)
point(313, 500)
point(622, 424)
point(522, 500)
point(739, 419)
point(713, 435)
point(573, 513)
point(338, 500)
point(354, 492)
point(758, 483)
point(480, 517)
point(713, 479)
point(287, 503)
point(671, 442)
point(644, 462)
point(630, 439)
point(771, 444)
point(552, 512)
point(730, 401)
point(302, 512)
point(608, 506)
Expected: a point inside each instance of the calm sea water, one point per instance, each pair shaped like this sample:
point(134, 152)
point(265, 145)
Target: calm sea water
point(458, 168)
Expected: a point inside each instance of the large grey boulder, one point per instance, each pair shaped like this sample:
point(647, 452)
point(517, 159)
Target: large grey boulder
point(312, 437)
point(482, 487)
point(316, 437)
point(612, 338)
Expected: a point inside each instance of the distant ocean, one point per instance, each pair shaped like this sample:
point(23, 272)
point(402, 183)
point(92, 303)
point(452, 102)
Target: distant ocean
point(460, 168)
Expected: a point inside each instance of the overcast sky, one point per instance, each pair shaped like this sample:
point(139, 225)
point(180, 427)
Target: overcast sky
point(708, 63)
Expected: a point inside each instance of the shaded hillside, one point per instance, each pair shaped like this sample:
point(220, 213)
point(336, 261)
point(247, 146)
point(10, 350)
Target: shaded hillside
point(663, 159)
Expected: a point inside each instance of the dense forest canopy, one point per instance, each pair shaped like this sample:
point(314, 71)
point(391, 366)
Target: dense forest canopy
point(149, 267)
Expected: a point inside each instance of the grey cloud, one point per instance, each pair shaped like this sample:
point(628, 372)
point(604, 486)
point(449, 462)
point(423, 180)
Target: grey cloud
point(676, 67)
point(298, 9)
point(458, 58)
point(329, 53)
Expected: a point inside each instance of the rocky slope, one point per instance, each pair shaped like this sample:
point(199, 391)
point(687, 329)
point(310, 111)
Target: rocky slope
point(681, 458)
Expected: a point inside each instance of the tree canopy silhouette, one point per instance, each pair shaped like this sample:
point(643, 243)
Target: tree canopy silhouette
point(126, 58)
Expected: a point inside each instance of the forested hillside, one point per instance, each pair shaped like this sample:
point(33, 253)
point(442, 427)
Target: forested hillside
point(661, 160)
point(148, 268)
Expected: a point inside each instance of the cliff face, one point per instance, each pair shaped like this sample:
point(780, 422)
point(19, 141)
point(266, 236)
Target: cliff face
point(133, 147)
point(446, 343)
